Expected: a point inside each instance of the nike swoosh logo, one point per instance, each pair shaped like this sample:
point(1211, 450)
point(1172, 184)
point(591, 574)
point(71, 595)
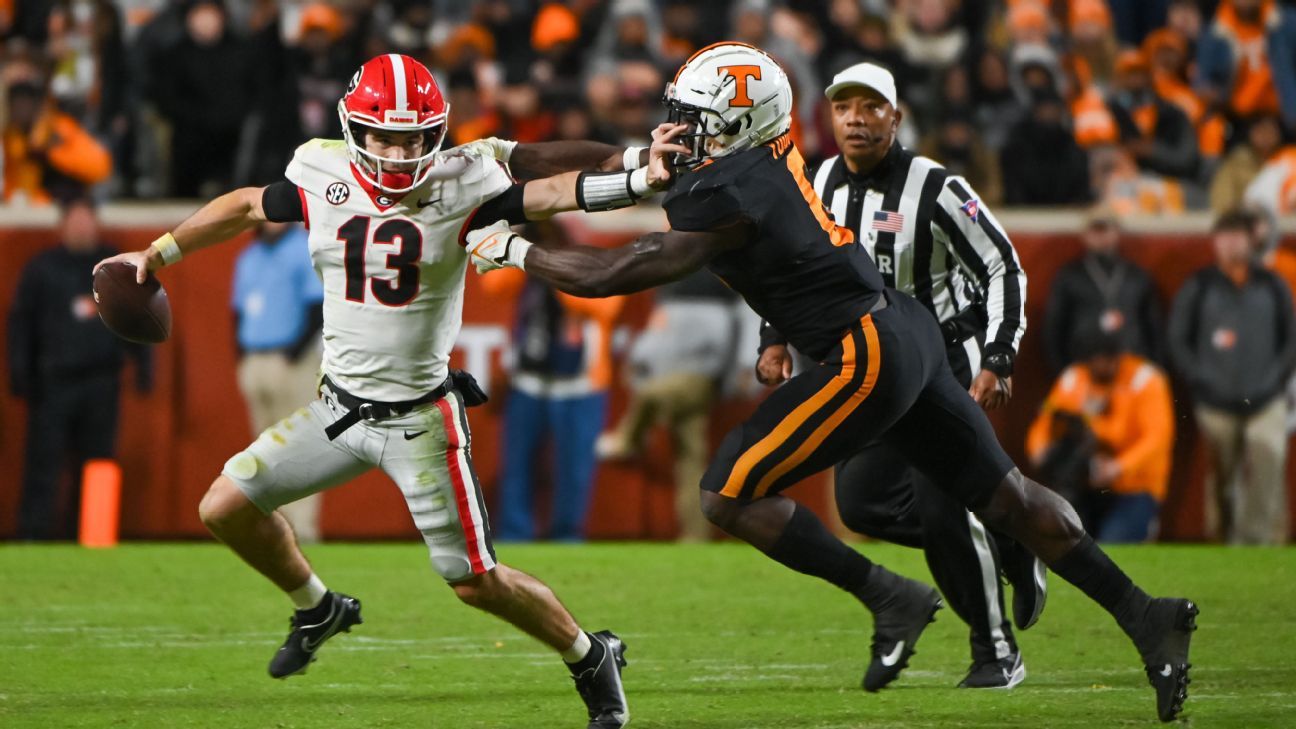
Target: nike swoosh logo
point(894, 657)
point(1166, 671)
point(425, 203)
point(412, 436)
point(335, 616)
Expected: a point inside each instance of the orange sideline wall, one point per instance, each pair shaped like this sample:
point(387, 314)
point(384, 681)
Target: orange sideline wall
point(174, 440)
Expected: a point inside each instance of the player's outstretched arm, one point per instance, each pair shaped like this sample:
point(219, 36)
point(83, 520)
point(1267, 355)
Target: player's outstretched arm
point(533, 161)
point(590, 272)
point(217, 221)
point(594, 192)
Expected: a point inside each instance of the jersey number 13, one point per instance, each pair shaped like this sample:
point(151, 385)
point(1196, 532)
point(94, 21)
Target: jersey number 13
point(408, 243)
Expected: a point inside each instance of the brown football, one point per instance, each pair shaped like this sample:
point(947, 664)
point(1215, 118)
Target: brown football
point(135, 312)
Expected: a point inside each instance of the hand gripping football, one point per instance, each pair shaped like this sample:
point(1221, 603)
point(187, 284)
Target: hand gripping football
point(133, 311)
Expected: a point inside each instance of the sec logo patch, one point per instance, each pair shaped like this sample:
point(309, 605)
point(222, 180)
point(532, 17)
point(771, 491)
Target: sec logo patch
point(337, 193)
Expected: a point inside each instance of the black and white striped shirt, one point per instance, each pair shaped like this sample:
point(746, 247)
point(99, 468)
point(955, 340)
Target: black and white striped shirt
point(932, 238)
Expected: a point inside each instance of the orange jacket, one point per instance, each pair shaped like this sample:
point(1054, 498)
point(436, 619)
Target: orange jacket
point(508, 282)
point(1133, 419)
point(68, 149)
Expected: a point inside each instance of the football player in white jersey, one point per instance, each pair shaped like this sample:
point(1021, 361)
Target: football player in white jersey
point(387, 213)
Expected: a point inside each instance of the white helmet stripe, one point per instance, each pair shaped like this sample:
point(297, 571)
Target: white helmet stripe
point(398, 81)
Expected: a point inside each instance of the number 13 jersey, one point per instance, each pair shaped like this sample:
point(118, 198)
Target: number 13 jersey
point(393, 269)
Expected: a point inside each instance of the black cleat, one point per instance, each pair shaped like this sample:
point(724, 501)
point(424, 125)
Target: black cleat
point(600, 685)
point(896, 628)
point(1029, 579)
point(1163, 641)
point(308, 634)
point(1002, 673)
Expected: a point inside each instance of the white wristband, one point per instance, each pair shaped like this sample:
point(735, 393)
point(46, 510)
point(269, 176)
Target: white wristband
point(169, 249)
point(639, 183)
point(630, 158)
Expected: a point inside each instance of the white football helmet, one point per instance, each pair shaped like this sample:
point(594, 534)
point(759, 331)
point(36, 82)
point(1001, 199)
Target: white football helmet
point(734, 95)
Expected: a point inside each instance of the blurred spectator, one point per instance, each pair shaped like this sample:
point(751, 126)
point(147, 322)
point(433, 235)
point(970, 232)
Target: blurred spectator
point(558, 393)
point(1233, 339)
point(300, 87)
point(278, 305)
point(47, 154)
point(1246, 61)
point(1155, 133)
point(931, 40)
point(1167, 53)
point(1127, 190)
point(1135, 19)
point(205, 87)
point(1262, 140)
point(1274, 186)
point(1104, 291)
point(955, 143)
point(66, 364)
point(676, 369)
point(995, 108)
point(1093, 41)
point(1111, 415)
point(1041, 163)
point(1185, 18)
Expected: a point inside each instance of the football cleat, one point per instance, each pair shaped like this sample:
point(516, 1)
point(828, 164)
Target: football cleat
point(600, 686)
point(1002, 673)
point(896, 628)
point(308, 634)
point(1029, 579)
point(1163, 642)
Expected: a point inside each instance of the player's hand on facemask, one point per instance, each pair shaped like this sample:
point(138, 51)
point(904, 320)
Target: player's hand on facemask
point(496, 246)
point(662, 151)
point(774, 367)
point(991, 391)
point(493, 147)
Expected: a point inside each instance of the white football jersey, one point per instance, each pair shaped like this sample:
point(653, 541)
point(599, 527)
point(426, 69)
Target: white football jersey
point(393, 271)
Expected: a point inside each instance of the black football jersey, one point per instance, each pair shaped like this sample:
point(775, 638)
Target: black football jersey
point(803, 273)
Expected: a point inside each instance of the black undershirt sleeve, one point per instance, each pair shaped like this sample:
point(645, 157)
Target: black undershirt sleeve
point(505, 206)
point(282, 203)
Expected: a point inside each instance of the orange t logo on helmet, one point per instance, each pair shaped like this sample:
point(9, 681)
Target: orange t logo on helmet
point(741, 74)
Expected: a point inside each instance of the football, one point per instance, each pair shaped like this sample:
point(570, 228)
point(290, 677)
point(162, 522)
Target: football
point(135, 312)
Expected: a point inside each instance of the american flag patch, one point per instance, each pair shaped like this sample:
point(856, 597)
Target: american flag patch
point(888, 221)
point(972, 208)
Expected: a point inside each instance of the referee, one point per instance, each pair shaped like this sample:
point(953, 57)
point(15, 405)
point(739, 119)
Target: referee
point(933, 239)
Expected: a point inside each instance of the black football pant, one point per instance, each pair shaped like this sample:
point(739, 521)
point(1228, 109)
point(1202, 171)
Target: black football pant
point(880, 494)
point(69, 421)
point(888, 385)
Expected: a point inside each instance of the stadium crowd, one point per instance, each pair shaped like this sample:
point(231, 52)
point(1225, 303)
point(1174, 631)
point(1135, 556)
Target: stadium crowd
point(1132, 106)
point(1148, 105)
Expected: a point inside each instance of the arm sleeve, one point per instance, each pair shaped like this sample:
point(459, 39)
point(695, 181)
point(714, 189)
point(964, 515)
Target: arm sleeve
point(282, 202)
point(769, 336)
point(983, 251)
point(505, 206)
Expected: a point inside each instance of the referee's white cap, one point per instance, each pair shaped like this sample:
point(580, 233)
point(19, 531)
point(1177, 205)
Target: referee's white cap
point(869, 75)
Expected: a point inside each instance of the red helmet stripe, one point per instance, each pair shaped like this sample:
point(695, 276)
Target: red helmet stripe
point(400, 81)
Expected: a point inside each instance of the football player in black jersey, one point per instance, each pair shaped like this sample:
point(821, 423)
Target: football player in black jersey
point(744, 208)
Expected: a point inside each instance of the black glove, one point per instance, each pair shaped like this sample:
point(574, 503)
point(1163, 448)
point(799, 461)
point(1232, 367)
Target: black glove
point(466, 385)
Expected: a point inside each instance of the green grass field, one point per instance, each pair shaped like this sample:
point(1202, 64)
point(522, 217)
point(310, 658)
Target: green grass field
point(164, 635)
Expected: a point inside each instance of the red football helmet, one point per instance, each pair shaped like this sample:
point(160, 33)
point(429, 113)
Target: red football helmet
point(395, 93)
